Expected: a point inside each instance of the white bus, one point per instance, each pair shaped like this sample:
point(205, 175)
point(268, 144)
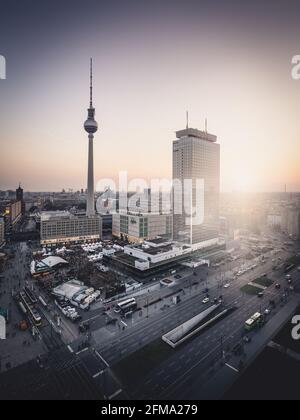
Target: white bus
point(126, 306)
point(253, 322)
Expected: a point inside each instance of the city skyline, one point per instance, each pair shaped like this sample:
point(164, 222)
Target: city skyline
point(149, 203)
point(151, 65)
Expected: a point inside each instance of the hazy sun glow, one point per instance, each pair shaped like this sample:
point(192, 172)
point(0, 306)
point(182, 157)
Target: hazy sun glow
point(148, 70)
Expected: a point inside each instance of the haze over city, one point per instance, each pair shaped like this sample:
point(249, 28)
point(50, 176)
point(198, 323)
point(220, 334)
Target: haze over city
point(230, 64)
point(149, 203)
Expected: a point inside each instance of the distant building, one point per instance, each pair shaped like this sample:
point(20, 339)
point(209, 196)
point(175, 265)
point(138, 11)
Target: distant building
point(274, 220)
point(64, 227)
point(138, 227)
point(196, 156)
point(12, 214)
point(2, 232)
point(291, 220)
point(20, 197)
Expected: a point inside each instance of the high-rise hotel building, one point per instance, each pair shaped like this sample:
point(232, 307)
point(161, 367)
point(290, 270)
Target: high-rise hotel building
point(196, 189)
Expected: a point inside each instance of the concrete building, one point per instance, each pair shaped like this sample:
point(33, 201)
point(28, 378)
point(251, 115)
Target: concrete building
point(151, 202)
point(20, 197)
point(2, 232)
point(154, 252)
point(11, 211)
point(196, 157)
point(138, 227)
point(274, 220)
point(291, 220)
point(63, 227)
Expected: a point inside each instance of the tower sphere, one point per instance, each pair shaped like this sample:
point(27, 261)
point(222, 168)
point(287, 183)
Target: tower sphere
point(91, 126)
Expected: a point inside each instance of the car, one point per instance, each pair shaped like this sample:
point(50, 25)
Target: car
point(260, 294)
point(206, 300)
point(288, 277)
point(267, 311)
point(177, 277)
point(226, 286)
point(277, 286)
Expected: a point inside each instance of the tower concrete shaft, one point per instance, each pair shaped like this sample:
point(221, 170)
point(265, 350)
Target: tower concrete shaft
point(91, 127)
point(90, 205)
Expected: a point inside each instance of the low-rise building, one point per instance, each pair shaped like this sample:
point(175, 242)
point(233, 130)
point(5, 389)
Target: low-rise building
point(154, 253)
point(64, 227)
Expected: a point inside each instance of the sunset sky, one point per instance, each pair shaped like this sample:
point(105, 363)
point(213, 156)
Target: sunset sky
point(227, 61)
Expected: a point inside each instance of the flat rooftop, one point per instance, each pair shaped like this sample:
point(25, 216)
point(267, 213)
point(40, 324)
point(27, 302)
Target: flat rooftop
point(157, 241)
point(48, 215)
point(54, 215)
point(194, 132)
point(153, 250)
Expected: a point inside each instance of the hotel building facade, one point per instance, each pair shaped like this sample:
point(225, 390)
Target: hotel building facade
point(196, 157)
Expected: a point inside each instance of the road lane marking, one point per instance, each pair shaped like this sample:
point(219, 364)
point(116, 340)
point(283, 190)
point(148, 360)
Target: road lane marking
point(233, 368)
point(115, 394)
point(98, 374)
point(82, 351)
point(100, 357)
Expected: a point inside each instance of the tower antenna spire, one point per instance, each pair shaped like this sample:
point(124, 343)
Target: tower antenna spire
point(187, 119)
point(91, 83)
point(205, 125)
point(91, 127)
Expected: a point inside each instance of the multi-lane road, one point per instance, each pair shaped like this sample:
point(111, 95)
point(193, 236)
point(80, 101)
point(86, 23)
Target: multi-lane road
point(203, 350)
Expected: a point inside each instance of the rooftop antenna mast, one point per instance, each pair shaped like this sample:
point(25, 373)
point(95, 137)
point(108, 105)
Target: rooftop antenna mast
point(187, 119)
point(206, 125)
point(91, 83)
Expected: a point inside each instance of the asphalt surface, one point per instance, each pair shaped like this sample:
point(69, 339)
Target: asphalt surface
point(109, 344)
point(203, 351)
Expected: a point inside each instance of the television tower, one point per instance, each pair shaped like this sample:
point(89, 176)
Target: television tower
point(91, 127)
